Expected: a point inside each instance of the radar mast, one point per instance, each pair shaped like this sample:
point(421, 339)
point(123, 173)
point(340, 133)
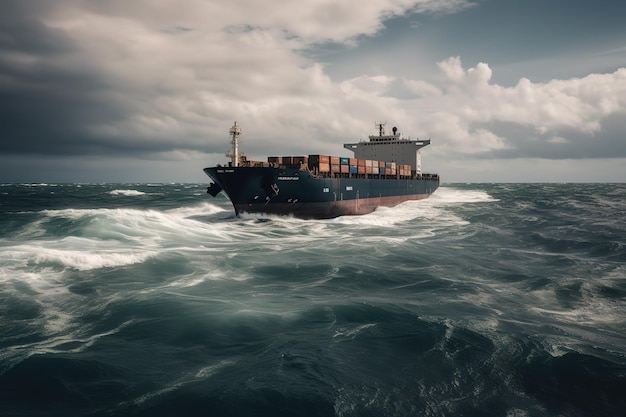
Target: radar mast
point(233, 153)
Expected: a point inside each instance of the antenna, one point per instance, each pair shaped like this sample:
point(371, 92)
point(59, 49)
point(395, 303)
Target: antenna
point(381, 128)
point(235, 131)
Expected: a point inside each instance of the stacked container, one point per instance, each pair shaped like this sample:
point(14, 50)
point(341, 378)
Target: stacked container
point(331, 165)
point(319, 163)
point(404, 170)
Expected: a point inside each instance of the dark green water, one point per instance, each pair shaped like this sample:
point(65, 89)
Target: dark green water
point(154, 300)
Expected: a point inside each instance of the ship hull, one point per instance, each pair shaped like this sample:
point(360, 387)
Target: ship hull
point(298, 193)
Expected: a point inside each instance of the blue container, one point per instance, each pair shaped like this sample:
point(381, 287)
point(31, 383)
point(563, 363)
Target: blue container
point(345, 161)
point(354, 169)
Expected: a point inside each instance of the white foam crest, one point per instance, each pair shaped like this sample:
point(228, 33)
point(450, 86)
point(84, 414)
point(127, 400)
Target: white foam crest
point(84, 261)
point(73, 214)
point(147, 233)
point(450, 195)
point(431, 213)
point(75, 253)
point(203, 209)
point(431, 209)
point(264, 227)
point(42, 184)
point(274, 218)
point(146, 227)
point(382, 216)
point(127, 193)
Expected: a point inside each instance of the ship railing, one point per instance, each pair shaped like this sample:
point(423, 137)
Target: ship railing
point(422, 177)
point(316, 173)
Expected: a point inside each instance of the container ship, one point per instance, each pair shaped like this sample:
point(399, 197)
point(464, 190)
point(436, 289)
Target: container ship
point(385, 171)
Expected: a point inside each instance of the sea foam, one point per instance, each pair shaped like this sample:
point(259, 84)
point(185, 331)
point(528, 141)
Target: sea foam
point(128, 193)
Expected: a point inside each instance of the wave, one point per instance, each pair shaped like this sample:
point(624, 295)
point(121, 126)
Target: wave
point(127, 193)
point(451, 195)
point(74, 253)
point(433, 210)
point(88, 239)
point(84, 261)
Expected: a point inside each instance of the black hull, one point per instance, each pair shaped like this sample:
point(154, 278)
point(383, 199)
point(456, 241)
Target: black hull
point(298, 193)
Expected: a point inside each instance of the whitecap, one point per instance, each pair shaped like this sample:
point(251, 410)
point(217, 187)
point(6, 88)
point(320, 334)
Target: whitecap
point(146, 228)
point(127, 193)
point(203, 209)
point(450, 195)
point(84, 261)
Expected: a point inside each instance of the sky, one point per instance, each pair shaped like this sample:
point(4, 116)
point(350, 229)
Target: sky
point(145, 91)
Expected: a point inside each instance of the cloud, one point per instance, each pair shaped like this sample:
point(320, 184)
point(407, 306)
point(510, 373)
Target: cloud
point(82, 77)
point(167, 79)
point(539, 112)
point(421, 88)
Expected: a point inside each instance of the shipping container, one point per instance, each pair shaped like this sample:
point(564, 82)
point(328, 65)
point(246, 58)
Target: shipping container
point(360, 162)
point(354, 169)
point(335, 168)
point(274, 159)
point(299, 160)
point(381, 164)
point(361, 169)
point(344, 161)
point(316, 159)
point(334, 160)
point(345, 169)
point(323, 167)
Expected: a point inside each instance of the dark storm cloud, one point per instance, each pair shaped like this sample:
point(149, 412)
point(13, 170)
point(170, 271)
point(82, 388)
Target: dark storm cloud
point(57, 99)
point(138, 81)
point(46, 106)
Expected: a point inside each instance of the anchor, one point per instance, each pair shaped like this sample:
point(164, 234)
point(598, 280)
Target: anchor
point(214, 189)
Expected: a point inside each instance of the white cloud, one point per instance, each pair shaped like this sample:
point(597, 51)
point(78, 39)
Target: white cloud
point(578, 104)
point(183, 71)
point(421, 88)
point(176, 66)
point(307, 20)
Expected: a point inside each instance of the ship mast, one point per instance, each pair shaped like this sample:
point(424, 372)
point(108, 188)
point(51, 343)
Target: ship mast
point(235, 131)
point(381, 128)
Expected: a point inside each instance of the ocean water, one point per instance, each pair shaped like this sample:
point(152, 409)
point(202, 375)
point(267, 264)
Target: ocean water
point(155, 300)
